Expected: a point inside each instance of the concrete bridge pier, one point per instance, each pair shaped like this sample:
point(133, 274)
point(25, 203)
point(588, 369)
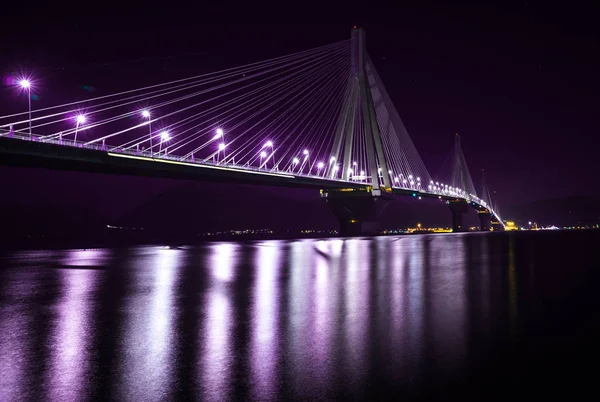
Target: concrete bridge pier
point(358, 211)
point(458, 208)
point(485, 221)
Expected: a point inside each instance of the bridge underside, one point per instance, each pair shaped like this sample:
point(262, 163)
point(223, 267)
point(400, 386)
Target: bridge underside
point(358, 211)
point(52, 156)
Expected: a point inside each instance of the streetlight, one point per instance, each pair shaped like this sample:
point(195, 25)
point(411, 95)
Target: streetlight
point(269, 144)
point(146, 115)
point(305, 153)
point(219, 133)
point(164, 136)
point(25, 84)
point(80, 119)
point(221, 148)
point(295, 162)
point(262, 155)
point(319, 167)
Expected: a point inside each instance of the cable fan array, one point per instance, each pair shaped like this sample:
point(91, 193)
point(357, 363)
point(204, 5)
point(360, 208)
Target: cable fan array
point(284, 114)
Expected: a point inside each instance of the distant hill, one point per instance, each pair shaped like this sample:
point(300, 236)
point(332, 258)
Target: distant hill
point(576, 210)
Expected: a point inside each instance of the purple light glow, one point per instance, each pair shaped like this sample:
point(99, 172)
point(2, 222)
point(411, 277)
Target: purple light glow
point(24, 83)
point(81, 119)
point(320, 165)
point(263, 154)
point(269, 144)
point(146, 114)
point(305, 152)
point(164, 136)
point(221, 146)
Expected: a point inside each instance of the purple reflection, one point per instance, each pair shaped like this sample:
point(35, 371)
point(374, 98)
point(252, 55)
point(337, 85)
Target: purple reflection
point(325, 300)
point(447, 302)
point(72, 336)
point(148, 349)
point(217, 345)
point(86, 258)
point(217, 350)
point(397, 296)
point(265, 315)
point(357, 302)
point(16, 321)
point(222, 261)
point(299, 315)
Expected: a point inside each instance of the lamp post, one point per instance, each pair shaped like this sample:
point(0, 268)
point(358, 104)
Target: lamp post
point(305, 153)
point(221, 149)
point(26, 85)
point(319, 167)
point(269, 144)
point(262, 155)
point(80, 119)
point(146, 115)
point(164, 136)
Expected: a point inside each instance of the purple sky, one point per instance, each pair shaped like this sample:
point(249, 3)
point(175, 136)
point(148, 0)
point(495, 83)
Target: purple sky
point(518, 80)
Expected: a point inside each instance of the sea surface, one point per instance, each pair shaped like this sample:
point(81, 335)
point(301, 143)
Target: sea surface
point(477, 315)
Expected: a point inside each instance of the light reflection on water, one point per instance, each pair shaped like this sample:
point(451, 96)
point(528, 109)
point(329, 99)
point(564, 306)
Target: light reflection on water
point(261, 321)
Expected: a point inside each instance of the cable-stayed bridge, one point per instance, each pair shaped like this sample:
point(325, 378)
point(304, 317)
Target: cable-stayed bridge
point(320, 119)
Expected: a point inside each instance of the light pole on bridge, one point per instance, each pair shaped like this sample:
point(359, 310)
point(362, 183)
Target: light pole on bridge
point(164, 136)
point(146, 115)
point(26, 85)
point(80, 119)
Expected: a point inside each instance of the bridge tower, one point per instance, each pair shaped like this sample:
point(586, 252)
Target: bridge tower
point(485, 216)
point(461, 179)
point(358, 211)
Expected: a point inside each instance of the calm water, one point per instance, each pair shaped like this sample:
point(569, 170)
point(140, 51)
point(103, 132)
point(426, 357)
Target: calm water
point(413, 316)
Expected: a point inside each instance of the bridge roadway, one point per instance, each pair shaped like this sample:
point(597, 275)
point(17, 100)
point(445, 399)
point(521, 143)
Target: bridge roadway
point(96, 159)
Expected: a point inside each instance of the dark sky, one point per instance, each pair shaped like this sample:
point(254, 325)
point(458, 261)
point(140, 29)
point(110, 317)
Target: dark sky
point(518, 80)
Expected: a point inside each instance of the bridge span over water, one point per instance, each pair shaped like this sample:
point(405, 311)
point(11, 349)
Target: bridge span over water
point(318, 119)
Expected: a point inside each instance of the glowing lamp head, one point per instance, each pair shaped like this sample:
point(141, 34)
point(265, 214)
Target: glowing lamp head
point(80, 119)
point(295, 161)
point(336, 168)
point(389, 171)
point(269, 144)
point(354, 163)
point(164, 136)
point(396, 179)
point(221, 146)
point(418, 179)
point(305, 152)
point(362, 172)
point(320, 165)
point(25, 83)
point(219, 132)
point(332, 159)
point(263, 154)
point(146, 114)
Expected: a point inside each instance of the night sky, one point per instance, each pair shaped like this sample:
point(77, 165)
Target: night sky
point(518, 80)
